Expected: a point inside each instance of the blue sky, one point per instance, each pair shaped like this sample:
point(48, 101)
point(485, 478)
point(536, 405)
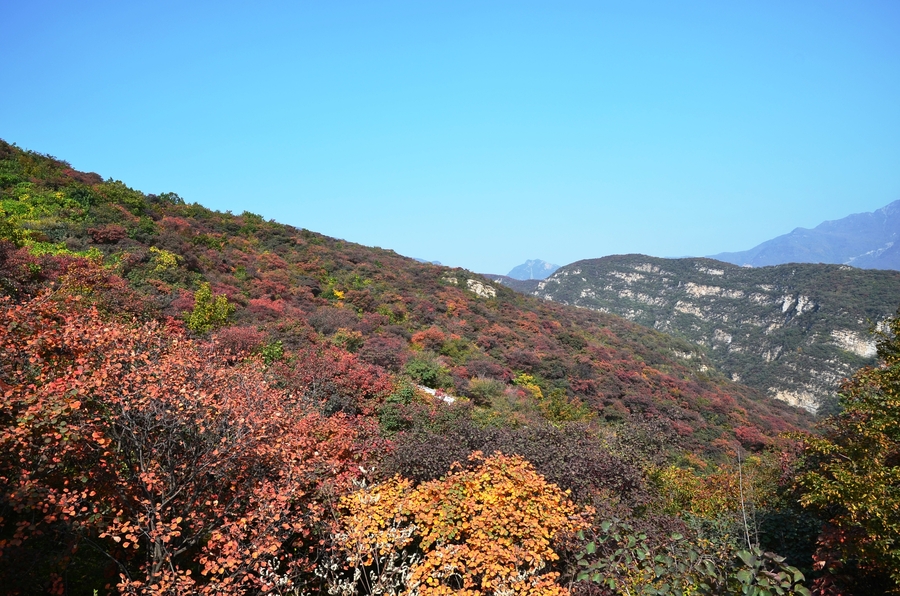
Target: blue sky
point(475, 133)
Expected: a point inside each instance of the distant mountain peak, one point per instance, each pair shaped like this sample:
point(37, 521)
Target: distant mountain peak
point(533, 269)
point(865, 240)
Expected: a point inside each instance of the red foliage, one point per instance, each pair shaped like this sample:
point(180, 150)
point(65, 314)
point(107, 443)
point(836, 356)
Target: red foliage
point(384, 351)
point(238, 341)
point(192, 476)
point(751, 438)
point(337, 380)
point(431, 338)
point(108, 234)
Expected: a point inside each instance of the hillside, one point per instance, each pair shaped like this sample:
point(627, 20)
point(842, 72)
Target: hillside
point(446, 328)
point(202, 402)
point(865, 240)
point(791, 331)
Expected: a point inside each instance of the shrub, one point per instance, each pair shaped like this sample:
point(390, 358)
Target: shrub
point(489, 529)
point(425, 370)
point(484, 391)
point(210, 312)
point(108, 234)
point(385, 351)
point(624, 560)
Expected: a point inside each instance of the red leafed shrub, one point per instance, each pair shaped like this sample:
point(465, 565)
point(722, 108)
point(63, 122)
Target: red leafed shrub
point(19, 271)
point(682, 428)
point(328, 319)
point(177, 224)
point(335, 380)
point(108, 234)
point(751, 438)
point(384, 351)
point(188, 476)
point(238, 340)
point(88, 178)
point(182, 303)
point(431, 338)
point(266, 308)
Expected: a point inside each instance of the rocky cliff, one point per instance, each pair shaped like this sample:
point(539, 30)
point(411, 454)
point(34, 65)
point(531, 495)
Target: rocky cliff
point(792, 331)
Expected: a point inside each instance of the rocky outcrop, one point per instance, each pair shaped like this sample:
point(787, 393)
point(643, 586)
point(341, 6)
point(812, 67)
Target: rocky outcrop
point(792, 331)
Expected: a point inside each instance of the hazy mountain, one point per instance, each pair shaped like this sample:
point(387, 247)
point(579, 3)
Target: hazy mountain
point(791, 331)
point(865, 240)
point(533, 269)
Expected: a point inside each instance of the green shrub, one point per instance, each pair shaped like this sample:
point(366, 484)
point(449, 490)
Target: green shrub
point(483, 391)
point(426, 371)
point(210, 312)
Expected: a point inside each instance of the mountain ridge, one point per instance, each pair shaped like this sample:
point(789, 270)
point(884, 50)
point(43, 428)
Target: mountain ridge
point(869, 240)
point(791, 331)
point(445, 328)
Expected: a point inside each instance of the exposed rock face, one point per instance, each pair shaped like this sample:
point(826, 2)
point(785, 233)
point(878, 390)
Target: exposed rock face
point(793, 331)
point(475, 286)
point(480, 289)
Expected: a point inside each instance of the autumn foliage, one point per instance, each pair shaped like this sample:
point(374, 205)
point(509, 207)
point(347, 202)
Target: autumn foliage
point(188, 475)
point(202, 402)
point(485, 530)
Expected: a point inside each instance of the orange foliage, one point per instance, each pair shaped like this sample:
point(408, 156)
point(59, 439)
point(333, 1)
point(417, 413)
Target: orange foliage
point(195, 477)
point(486, 530)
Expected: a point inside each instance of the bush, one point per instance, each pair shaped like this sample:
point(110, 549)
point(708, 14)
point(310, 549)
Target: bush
point(108, 234)
point(484, 391)
point(427, 371)
point(494, 533)
point(210, 312)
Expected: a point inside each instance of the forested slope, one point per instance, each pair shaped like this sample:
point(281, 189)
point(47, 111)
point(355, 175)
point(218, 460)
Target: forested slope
point(449, 329)
point(202, 402)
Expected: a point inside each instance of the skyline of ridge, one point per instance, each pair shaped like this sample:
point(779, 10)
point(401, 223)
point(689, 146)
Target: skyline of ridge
point(476, 135)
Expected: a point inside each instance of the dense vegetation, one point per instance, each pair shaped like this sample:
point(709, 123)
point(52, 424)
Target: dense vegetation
point(793, 331)
point(207, 403)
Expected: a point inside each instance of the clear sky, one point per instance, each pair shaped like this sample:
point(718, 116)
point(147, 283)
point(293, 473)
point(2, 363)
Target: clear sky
point(475, 133)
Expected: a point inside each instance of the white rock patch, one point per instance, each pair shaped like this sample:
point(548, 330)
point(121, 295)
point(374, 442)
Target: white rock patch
point(800, 399)
point(699, 290)
point(647, 268)
point(854, 342)
point(480, 289)
point(437, 393)
point(709, 271)
point(688, 308)
point(627, 277)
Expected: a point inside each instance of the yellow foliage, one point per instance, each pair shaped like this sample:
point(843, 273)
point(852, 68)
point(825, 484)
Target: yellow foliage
point(527, 382)
point(163, 260)
point(719, 493)
point(488, 530)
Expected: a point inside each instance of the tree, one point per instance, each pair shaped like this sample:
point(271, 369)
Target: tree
point(851, 474)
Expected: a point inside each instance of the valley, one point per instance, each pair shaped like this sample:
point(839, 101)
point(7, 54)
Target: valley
point(793, 332)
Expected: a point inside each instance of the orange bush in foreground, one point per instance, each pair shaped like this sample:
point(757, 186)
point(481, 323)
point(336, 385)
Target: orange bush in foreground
point(486, 530)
